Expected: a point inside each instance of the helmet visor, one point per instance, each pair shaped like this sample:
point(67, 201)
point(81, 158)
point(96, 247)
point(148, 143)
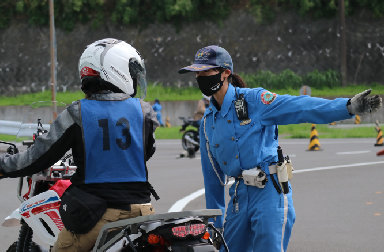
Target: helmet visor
point(138, 74)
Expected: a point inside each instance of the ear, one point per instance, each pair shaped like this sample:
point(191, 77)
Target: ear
point(226, 73)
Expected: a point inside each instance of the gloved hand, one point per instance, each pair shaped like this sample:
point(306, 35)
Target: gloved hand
point(361, 104)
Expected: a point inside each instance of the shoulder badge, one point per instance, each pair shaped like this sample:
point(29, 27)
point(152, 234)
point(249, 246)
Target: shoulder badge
point(268, 97)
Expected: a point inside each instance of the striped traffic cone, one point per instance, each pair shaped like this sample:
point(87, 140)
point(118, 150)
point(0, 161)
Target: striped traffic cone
point(379, 138)
point(167, 122)
point(357, 119)
point(314, 144)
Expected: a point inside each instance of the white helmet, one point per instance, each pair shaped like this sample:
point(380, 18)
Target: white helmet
point(115, 62)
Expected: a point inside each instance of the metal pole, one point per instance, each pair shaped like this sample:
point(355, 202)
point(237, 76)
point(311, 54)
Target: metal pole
point(343, 45)
point(52, 38)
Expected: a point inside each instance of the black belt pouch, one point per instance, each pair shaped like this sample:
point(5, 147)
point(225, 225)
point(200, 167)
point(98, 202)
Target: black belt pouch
point(80, 211)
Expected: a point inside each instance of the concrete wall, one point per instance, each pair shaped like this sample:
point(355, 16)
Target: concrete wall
point(172, 110)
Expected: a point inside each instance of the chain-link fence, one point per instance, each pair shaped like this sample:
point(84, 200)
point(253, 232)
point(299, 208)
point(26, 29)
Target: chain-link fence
point(290, 42)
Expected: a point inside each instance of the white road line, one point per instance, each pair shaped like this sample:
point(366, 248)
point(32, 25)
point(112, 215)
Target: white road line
point(322, 141)
point(352, 152)
point(337, 167)
point(180, 204)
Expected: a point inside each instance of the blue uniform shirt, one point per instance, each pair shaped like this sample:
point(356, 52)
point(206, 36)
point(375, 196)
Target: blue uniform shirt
point(156, 107)
point(236, 147)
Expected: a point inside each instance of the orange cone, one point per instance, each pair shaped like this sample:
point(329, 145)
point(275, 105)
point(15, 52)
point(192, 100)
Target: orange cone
point(314, 144)
point(167, 122)
point(357, 119)
point(379, 138)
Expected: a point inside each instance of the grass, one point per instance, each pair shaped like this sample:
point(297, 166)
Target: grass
point(293, 131)
point(11, 138)
point(178, 94)
point(285, 132)
point(325, 131)
point(348, 91)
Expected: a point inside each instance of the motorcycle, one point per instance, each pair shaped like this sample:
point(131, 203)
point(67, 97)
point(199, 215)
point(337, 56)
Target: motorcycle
point(178, 231)
point(39, 214)
point(39, 209)
point(190, 140)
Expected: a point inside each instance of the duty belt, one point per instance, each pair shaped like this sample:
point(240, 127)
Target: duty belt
point(272, 170)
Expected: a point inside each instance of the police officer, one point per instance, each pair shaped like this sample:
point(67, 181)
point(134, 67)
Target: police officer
point(157, 108)
point(239, 135)
point(111, 135)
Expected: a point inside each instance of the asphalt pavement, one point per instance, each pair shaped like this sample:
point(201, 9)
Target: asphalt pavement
point(338, 192)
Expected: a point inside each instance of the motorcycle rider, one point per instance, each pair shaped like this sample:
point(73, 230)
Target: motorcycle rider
point(111, 135)
point(201, 106)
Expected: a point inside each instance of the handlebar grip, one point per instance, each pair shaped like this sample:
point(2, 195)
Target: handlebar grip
point(28, 142)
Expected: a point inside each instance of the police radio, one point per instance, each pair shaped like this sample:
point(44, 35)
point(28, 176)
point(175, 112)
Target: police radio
point(242, 110)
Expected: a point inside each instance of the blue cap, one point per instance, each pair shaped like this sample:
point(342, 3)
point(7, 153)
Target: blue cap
point(209, 57)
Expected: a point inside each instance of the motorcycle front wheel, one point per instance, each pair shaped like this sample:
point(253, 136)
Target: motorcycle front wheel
point(190, 134)
point(34, 247)
point(24, 242)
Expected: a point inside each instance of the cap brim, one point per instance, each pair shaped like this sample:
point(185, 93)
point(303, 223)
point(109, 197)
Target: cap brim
point(196, 68)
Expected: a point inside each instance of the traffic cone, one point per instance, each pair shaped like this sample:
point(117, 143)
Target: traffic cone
point(380, 153)
point(314, 144)
point(379, 138)
point(357, 119)
point(167, 122)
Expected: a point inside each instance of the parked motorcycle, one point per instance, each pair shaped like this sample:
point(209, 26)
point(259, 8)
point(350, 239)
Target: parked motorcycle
point(190, 139)
point(39, 214)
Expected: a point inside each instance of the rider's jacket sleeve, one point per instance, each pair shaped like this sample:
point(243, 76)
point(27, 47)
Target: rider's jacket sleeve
point(214, 191)
point(150, 125)
point(46, 150)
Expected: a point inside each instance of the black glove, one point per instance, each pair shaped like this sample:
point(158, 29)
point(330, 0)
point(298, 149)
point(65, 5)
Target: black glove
point(361, 103)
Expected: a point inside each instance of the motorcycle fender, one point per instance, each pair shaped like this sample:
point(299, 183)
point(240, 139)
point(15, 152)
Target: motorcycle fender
point(118, 246)
point(13, 219)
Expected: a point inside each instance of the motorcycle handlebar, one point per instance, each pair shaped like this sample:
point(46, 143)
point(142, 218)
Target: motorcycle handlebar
point(28, 143)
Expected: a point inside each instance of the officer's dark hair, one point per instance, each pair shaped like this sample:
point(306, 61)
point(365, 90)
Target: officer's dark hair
point(237, 81)
point(94, 84)
point(234, 79)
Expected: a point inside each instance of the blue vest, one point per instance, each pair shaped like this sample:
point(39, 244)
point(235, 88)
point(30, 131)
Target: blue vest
point(113, 141)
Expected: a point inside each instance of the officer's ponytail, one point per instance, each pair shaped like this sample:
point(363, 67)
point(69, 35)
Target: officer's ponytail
point(234, 79)
point(237, 81)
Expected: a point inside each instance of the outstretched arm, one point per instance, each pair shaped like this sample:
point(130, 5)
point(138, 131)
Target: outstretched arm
point(286, 109)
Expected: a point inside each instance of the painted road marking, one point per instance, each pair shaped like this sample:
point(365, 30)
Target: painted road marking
point(352, 152)
point(180, 204)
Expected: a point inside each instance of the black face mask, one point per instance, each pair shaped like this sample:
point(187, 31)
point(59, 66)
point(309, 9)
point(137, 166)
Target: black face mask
point(209, 85)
